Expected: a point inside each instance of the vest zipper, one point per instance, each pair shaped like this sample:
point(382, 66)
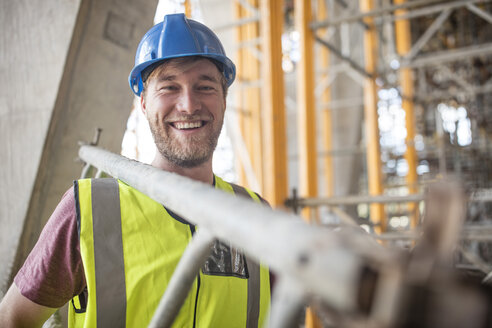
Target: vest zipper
point(192, 228)
point(196, 299)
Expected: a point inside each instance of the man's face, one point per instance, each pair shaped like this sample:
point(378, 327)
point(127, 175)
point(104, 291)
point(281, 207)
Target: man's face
point(185, 106)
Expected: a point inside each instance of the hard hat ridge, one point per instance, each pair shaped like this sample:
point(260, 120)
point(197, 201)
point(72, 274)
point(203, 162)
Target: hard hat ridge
point(177, 32)
point(175, 37)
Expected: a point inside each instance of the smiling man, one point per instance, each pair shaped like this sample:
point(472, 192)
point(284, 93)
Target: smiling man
point(110, 250)
point(184, 101)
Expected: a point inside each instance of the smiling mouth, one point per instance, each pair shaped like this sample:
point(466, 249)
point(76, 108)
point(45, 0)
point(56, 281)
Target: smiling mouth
point(188, 125)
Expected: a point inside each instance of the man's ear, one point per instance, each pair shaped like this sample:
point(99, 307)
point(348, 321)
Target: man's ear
point(143, 104)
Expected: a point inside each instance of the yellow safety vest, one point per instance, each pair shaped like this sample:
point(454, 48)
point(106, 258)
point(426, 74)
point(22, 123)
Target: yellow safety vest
point(130, 246)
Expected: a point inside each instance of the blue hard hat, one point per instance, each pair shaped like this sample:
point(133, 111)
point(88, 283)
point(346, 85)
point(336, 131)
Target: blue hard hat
point(174, 37)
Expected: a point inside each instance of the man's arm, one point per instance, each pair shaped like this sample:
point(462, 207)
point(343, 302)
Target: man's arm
point(18, 311)
point(51, 275)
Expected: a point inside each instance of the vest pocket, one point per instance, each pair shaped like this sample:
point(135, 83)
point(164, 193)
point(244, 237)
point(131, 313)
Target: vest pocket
point(79, 302)
point(225, 260)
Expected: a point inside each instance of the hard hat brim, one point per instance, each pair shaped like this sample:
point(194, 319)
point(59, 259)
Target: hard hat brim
point(135, 77)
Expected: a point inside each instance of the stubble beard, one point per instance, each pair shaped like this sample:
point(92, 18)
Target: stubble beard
point(188, 153)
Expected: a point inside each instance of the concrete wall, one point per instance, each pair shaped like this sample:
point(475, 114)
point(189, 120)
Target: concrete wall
point(34, 44)
point(65, 65)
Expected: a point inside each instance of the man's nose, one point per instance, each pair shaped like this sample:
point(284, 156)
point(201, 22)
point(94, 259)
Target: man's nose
point(188, 102)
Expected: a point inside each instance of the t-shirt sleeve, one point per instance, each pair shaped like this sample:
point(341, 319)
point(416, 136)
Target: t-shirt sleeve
point(53, 271)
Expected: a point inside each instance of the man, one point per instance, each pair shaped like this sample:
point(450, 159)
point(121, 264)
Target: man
point(114, 267)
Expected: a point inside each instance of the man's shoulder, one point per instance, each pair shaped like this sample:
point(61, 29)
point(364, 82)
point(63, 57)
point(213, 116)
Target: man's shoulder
point(52, 273)
point(240, 190)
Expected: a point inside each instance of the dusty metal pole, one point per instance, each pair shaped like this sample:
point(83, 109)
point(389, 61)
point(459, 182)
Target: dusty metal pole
point(323, 263)
point(287, 304)
point(354, 200)
point(188, 268)
point(427, 9)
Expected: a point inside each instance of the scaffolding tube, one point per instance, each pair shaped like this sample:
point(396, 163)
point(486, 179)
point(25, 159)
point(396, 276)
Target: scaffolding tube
point(483, 197)
point(322, 263)
point(193, 258)
point(354, 200)
point(287, 304)
point(427, 9)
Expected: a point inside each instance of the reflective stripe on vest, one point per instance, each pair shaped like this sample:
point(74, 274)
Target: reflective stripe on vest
point(254, 276)
point(108, 254)
point(136, 296)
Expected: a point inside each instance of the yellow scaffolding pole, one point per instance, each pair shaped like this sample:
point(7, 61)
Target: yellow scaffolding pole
point(373, 157)
point(249, 109)
point(239, 13)
point(273, 109)
point(403, 46)
point(308, 171)
point(252, 101)
point(246, 127)
point(187, 6)
point(326, 117)
point(308, 168)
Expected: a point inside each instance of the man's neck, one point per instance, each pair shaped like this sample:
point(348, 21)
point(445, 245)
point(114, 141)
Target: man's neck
point(201, 173)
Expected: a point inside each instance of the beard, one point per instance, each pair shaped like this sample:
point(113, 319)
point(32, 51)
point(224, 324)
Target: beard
point(186, 151)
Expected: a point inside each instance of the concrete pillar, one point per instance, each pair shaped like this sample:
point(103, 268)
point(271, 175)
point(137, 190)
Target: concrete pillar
point(347, 119)
point(65, 73)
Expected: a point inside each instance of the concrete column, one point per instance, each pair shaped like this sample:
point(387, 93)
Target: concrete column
point(65, 70)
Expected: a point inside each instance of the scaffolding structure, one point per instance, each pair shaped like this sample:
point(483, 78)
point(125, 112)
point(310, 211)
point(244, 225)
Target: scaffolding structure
point(402, 49)
point(410, 60)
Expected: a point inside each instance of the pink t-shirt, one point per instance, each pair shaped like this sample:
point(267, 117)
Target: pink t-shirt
point(53, 272)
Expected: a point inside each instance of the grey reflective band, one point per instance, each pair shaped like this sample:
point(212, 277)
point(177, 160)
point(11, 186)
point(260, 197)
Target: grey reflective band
point(253, 309)
point(108, 254)
point(240, 191)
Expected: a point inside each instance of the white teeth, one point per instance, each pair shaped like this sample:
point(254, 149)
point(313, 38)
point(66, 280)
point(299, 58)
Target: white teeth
point(187, 125)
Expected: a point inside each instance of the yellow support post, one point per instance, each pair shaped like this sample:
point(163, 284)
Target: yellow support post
point(245, 90)
point(326, 117)
point(403, 46)
point(273, 109)
point(239, 13)
point(248, 71)
point(308, 169)
point(252, 100)
point(187, 6)
point(373, 157)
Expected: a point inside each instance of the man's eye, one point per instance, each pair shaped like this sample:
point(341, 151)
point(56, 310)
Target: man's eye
point(167, 88)
point(206, 88)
